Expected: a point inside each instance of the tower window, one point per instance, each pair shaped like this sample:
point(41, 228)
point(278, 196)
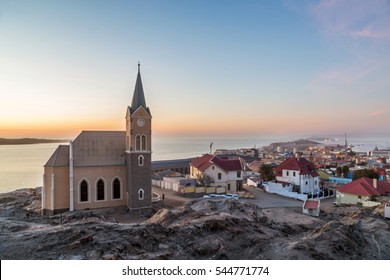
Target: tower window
point(116, 189)
point(141, 194)
point(141, 161)
point(83, 191)
point(143, 146)
point(137, 143)
point(100, 190)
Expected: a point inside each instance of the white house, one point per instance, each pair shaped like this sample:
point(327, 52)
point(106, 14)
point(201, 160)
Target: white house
point(300, 172)
point(224, 171)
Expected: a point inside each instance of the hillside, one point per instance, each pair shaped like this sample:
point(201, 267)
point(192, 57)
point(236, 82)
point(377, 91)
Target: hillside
point(201, 229)
point(26, 141)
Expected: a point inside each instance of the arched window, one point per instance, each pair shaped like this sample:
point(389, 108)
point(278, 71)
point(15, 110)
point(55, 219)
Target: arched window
point(141, 194)
point(100, 190)
point(137, 143)
point(116, 189)
point(143, 146)
point(83, 191)
point(141, 161)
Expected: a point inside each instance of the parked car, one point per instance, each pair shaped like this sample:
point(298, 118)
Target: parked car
point(228, 196)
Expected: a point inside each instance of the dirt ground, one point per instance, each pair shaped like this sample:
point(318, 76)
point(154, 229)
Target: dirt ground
point(199, 229)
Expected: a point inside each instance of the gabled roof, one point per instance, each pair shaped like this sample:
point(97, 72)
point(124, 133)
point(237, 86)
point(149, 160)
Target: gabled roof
point(99, 148)
point(225, 163)
point(365, 186)
point(311, 204)
point(138, 95)
point(302, 165)
point(60, 157)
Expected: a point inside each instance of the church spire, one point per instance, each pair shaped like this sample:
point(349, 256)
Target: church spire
point(138, 96)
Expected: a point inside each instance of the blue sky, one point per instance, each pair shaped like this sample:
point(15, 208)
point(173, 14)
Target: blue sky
point(208, 67)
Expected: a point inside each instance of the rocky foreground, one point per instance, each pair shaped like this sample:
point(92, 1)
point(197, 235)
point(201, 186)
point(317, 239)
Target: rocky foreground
point(202, 229)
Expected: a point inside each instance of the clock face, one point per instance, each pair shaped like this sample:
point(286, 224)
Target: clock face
point(140, 122)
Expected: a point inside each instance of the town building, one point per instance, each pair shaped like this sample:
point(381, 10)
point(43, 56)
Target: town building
point(362, 191)
point(224, 171)
point(103, 168)
point(299, 172)
point(311, 207)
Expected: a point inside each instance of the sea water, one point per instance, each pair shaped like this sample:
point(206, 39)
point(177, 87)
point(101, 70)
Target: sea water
point(21, 166)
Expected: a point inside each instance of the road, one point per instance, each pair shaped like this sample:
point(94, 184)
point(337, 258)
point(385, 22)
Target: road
point(262, 199)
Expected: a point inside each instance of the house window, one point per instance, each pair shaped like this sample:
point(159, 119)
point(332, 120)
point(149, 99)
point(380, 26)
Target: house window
point(228, 187)
point(294, 174)
point(137, 143)
point(287, 173)
point(315, 183)
point(212, 167)
point(219, 176)
point(116, 189)
point(83, 191)
point(238, 174)
point(141, 161)
point(141, 194)
point(359, 197)
point(306, 183)
point(100, 190)
point(143, 143)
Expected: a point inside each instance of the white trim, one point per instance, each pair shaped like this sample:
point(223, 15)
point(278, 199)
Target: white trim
point(139, 194)
point(43, 195)
point(71, 194)
point(143, 160)
point(79, 191)
point(52, 192)
point(105, 190)
point(120, 188)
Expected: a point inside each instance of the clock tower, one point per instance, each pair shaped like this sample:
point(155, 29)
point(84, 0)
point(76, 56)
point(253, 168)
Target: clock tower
point(139, 150)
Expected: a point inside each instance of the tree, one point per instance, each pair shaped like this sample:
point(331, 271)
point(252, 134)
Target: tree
point(364, 173)
point(339, 171)
point(204, 180)
point(266, 172)
point(345, 171)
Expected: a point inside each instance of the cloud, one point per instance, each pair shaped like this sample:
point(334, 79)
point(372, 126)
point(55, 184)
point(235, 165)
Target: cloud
point(379, 113)
point(353, 18)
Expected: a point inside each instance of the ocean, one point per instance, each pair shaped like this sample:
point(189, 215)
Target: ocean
point(21, 166)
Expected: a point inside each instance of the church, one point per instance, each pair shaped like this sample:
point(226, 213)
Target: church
point(103, 168)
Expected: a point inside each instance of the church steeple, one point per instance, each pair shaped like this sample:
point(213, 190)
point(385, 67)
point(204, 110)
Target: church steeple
point(138, 96)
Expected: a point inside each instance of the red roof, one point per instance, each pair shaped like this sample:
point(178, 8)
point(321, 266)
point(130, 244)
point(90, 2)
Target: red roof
point(226, 163)
point(311, 204)
point(302, 165)
point(365, 186)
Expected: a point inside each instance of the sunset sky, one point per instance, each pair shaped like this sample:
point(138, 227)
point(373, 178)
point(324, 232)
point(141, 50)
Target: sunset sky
point(208, 67)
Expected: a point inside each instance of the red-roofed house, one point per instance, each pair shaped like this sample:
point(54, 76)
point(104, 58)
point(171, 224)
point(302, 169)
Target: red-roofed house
point(300, 172)
point(225, 171)
point(311, 207)
point(362, 190)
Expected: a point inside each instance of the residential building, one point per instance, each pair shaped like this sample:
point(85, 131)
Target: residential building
point(361, 191)
point(299, 172)
point(311, 207)
point(224, 171)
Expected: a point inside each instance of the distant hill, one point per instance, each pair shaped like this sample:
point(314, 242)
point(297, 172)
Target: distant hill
point(25, 141)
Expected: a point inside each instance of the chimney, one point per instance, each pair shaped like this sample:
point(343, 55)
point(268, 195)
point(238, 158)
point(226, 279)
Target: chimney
point(374, 183)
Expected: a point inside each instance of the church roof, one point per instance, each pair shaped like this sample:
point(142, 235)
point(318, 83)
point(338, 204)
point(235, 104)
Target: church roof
point(99, 148)
point(138, 95)
point(60, 157)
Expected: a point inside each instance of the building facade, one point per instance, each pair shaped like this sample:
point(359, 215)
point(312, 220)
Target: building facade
point(299, 172)
point(224, 171)
point(103, 168)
